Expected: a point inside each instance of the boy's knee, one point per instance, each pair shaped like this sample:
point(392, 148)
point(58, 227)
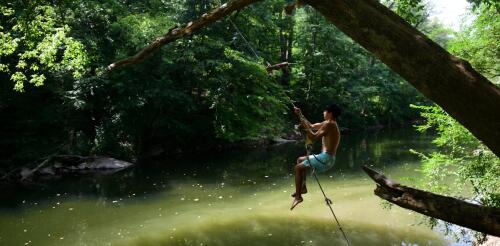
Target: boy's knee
point(299, 167)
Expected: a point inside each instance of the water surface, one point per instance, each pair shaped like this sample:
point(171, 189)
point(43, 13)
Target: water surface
point(239, 197)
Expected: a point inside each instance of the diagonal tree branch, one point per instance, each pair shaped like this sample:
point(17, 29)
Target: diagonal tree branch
point(474, 216)
point(450, 82)
point(180, 32)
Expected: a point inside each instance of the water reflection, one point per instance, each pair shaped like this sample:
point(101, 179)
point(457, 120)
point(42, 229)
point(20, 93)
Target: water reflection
point(266, 230)
point(231, 198)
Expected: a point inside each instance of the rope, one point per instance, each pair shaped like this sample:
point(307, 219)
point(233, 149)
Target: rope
point(246, 41)
point(328, 201)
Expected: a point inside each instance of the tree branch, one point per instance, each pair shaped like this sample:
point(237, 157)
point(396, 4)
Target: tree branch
point(450, 82)
point(180, 32)
point(473, 216)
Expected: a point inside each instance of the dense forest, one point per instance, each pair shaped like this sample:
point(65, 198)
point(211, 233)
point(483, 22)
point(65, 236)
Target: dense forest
point(212, 90)
point(212, 86)
point(209, 88)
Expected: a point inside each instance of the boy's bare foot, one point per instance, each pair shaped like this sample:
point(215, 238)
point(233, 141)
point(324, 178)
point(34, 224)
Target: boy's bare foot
point(296, 202)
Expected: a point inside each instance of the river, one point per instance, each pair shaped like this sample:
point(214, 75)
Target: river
point(238, 197)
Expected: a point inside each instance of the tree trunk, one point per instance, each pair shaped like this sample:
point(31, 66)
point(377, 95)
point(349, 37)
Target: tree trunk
point(450, 82)
point(473, 216)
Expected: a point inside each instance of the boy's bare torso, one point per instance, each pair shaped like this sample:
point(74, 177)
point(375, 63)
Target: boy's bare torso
point(331, 140)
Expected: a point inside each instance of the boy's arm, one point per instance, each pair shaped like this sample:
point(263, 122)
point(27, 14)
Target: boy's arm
point(305, 122)
point(325, 128)
point(316, 126)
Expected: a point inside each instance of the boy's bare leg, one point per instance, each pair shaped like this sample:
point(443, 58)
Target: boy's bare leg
point(300, 172)
point(303, 174)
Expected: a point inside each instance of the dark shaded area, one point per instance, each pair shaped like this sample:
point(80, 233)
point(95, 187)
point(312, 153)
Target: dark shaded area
point(238, 167)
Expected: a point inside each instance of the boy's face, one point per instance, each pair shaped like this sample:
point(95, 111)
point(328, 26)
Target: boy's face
point(327, 115)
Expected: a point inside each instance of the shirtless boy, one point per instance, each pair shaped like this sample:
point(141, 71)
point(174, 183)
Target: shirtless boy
point(328, 132)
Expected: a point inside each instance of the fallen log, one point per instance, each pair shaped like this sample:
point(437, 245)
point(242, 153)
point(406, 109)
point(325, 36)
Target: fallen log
point(473, 216)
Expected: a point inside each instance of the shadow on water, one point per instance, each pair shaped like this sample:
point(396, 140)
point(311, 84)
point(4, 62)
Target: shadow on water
point(265, 230)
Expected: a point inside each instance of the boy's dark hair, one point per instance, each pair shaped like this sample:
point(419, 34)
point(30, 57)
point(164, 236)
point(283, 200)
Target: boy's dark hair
point(334, 109)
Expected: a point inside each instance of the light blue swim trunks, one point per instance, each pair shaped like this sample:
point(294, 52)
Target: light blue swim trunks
point(322, 162)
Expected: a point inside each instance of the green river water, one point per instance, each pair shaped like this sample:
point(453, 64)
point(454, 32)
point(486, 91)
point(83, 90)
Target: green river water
point(239, 197)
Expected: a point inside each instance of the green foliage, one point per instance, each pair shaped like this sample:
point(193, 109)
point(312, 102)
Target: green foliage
point(333, 68)
point(137, 30)
point(414, 12)
point(32, 46)
point(489, 3)
point(205, 89)
point(257, 111)
point(479, 44)
point(462, 162)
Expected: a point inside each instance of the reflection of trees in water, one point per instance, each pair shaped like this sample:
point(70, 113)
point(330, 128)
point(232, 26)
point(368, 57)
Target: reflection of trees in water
point(233, 167)
point(275, 230)
point(381, 148)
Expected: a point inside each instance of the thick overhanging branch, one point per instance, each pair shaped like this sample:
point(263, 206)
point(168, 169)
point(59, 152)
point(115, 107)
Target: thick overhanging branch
point(180, 32)
point(473, 216)
point(450, 82)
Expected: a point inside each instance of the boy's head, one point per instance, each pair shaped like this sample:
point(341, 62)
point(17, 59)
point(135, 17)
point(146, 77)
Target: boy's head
point(332, 111)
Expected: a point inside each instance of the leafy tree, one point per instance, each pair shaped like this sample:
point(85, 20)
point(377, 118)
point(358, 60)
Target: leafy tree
point(479, 44)
point(463, 161)
point(35, 41)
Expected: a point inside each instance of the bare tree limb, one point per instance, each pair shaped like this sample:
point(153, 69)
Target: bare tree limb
point(473, 216)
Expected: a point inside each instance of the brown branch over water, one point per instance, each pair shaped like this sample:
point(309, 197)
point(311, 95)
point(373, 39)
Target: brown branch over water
point(473, 216)
point(180, 32)
point(450, 82)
